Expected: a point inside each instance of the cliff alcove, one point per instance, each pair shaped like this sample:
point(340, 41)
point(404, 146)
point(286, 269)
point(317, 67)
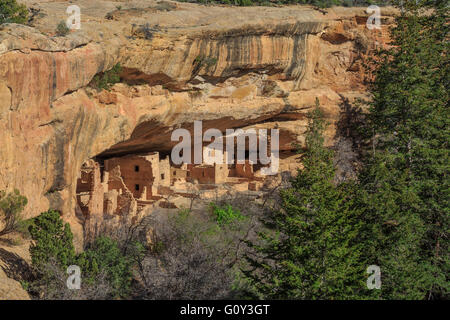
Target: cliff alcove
point(264, 71)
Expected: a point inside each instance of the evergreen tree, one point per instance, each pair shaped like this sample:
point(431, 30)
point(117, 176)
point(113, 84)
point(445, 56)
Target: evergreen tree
point(52, 240)
point(405, 179)
point(104, 255)
point(52, 244)
point(11, 206)
point(315, 249)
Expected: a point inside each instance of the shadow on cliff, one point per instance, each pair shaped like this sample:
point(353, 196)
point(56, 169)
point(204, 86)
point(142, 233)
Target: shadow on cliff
point(14, 266)
point(350, 140)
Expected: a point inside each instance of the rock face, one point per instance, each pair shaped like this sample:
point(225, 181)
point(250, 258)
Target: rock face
point(14, 268)
point(227, 66)
point(11, 289)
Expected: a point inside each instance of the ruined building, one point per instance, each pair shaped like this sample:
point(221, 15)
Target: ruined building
point(125, 185)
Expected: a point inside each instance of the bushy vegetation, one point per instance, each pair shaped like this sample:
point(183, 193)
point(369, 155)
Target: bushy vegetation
point(318, 3)
point(207, 62)
point(165, 6)
point(226, 214)
point(12, 12)
point(105, 80)
point(192, 257)
point(11, 205)
point(52, 239)
point(104, 255)
point(106, 270)
point(189, 258)
point(62, 29)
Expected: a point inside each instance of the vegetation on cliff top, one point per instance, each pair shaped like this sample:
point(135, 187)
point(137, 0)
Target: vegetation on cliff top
point(62, 29)
point(318, 3)
point(12, 12)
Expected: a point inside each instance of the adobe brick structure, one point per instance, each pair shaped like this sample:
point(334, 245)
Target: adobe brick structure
point(127, 184)
point(90, 188)
point(141, 175)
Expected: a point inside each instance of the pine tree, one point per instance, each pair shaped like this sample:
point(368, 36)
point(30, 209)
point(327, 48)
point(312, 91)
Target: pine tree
point(11, 206)
point(104, 255)
point(406, 176)
point(315, 249)
point(52, 239)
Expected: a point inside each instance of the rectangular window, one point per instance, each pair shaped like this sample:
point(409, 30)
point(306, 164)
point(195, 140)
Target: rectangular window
point(162, 176)
point(136, 168)
point(136, 187)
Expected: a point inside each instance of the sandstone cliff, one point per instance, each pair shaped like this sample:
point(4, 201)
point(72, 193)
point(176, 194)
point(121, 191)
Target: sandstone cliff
point(230, 67)
point(14, 268)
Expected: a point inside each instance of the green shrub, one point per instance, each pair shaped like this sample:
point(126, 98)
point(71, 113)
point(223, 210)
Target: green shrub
point(52, 240)
point(12, 12)
point(53, 251)
point(25, 285)
point(165, 6)
point(226, 214)
point(205, 61)
point(107, 79)
point(24, 226)
point(105, 255)
point(62, 29)
point(11, 205)
point(246, 2)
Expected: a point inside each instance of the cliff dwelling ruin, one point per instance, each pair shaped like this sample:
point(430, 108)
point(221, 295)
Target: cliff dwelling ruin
point(128, 184)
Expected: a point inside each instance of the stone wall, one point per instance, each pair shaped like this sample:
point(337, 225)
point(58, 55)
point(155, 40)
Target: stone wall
point(138, 174)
